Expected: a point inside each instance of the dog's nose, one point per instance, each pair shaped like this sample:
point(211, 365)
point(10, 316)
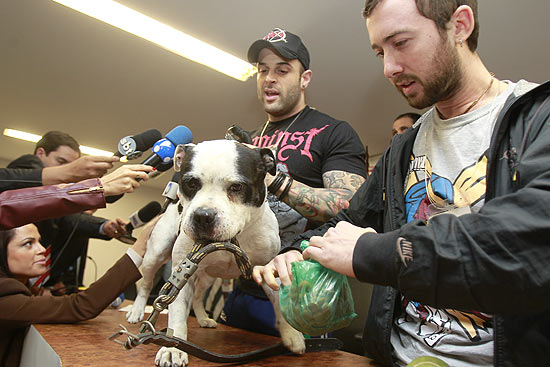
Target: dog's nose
point(204, 218)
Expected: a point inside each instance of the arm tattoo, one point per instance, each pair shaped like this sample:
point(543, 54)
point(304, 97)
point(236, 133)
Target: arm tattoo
point(320, 204)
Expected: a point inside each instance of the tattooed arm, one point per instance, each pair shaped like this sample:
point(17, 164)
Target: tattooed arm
point(321, 204)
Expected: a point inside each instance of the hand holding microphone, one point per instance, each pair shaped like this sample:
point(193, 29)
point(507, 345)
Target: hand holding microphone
point(138, 219)
point(124, 179)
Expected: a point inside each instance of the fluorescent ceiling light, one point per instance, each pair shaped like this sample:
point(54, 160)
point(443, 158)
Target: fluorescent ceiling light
point(171, 39)
point(34, 138)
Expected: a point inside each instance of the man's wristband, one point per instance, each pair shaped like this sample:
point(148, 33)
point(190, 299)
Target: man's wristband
point(277, 183)
point(287, 188)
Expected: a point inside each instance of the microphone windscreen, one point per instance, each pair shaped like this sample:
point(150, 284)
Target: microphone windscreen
point(165, 166)
point(149, 211)
point(147, 139)
point(180, 135)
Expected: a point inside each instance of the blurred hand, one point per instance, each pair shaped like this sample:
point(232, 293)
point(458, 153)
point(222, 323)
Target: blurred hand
point(280, 267)
point(123, 179)
point(335, 249)
point(116, 228)
point(140, 246)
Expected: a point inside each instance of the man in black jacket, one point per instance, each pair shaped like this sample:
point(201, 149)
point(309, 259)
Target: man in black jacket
point(68, 236)
point(452, 226)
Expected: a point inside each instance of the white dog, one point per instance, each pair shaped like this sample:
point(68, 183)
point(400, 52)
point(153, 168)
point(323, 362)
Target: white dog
point(222, 196)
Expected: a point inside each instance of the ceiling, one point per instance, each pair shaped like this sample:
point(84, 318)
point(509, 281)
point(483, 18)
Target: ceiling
point(61, 70)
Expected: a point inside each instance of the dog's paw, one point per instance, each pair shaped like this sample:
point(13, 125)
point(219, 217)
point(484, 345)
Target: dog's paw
point(207, 322)
point(135, 315)
point(293, 340)
point(171, 357)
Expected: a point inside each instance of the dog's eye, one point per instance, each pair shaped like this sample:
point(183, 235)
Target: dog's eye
point(236, 187)
point(191, 184)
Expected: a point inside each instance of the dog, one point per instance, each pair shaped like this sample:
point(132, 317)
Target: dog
point(222, 196)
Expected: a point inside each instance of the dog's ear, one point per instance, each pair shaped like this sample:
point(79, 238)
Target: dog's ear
point(181, 150)
point(269, 160)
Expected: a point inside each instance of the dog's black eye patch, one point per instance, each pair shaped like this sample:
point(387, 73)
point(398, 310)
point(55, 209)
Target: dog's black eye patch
point(236, 187)
point(190, 186)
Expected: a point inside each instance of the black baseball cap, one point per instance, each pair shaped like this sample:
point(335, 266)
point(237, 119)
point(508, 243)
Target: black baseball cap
point(287, 44)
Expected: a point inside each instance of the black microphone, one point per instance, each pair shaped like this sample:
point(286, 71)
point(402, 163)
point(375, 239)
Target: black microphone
point(235, 132)
point(132, 147)
point(139, 218)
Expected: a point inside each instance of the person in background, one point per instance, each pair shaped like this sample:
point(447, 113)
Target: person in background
point(403, 122)
point(453, 226)
point(320, 161)
point(66, 237)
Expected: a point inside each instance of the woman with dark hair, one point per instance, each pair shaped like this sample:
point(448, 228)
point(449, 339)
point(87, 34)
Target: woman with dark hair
point(22, 257)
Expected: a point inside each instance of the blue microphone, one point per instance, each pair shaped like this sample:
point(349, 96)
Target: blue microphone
point(163, 152)
point(164, 149)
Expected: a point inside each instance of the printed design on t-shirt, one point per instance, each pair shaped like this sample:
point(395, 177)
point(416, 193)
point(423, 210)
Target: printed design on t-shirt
point(435, 324)
point(427, 193)
point(290, 141)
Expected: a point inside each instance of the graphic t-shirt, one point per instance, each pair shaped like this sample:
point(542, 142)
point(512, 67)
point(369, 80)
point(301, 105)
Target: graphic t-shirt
point(446, 176)
point(310, 143)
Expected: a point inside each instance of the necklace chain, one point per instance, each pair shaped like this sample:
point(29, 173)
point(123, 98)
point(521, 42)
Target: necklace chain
point(482, 94)
point(283, 134)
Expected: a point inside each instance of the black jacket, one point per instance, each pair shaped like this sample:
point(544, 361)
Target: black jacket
point(495, 261)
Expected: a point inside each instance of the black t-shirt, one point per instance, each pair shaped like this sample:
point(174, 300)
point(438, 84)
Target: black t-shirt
point(314, 143)
point(310, 144)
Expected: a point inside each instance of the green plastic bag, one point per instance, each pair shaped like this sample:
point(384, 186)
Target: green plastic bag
point(318, 301)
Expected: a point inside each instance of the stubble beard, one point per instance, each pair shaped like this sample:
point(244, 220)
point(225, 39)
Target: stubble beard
point(285, 103)
point(445, 81)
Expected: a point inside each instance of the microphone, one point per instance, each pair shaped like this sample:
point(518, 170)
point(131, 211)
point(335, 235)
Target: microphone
point(163, 152)
point(171, 190)
point(139, 218)
point(132, 147)
point(235, 132)
point(164, 149)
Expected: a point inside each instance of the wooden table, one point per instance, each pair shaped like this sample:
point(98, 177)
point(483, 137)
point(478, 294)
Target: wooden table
point(87, 344)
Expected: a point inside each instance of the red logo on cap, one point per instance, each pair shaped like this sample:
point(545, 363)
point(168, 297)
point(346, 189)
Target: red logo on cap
point(276, 35)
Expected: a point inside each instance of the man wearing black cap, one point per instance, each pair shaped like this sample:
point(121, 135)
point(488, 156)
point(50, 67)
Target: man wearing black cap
point(320, 160)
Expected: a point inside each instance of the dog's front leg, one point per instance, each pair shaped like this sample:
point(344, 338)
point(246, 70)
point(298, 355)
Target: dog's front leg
point(178, 312)
point(203, 282)
point(292, 338)
point(159, 246)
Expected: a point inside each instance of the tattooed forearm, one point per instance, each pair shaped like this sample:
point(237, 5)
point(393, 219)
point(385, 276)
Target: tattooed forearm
point(321, 204)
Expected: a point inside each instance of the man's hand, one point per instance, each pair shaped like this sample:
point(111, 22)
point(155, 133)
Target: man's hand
point(280, 267)
point(115, 228)
point(335, 249)
point(78, 170)
point(124, 179)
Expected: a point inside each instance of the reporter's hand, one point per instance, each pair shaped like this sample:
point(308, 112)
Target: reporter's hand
point(80, 169)
point(115, 228)
point(123, 179)
point(280, 267)
point(140, 246)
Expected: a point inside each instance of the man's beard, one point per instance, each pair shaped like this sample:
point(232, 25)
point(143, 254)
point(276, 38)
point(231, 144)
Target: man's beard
point(443, 83)
point(285, 103)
